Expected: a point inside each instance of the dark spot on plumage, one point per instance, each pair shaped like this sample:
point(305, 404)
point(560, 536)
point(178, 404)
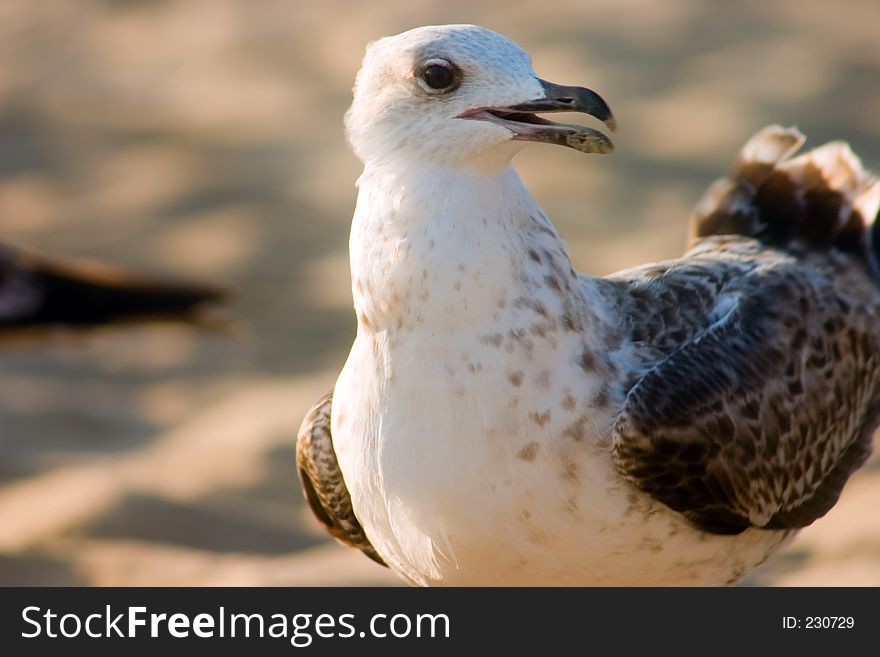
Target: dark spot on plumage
point(534, 255)
point(693, 452)
point(799, 339)
point(665, 446)
point(771, 444)
point(835, 352)
point(751, 409)
point(643, 308)
point(853, 338)
point(678, 336)
point(540, 330)
point(569, 319)
point(516, 378)
point(639, 334)
point(568, 403)
point(531, 304)
point(365, 321)
point(528, 453)
point(587, 361)
point(540, 418)
point(641, 294)
point(666, 480)
point(577, 430)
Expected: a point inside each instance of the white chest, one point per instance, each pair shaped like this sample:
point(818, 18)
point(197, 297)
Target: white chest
point(460, 476)
point(472, 418)
point(451, 445)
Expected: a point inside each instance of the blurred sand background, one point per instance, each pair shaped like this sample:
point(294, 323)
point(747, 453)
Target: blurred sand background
point(204, 139)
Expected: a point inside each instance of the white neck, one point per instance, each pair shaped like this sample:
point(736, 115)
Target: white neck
point(446, 249)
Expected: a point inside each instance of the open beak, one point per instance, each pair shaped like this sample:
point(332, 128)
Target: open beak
point(526, 125)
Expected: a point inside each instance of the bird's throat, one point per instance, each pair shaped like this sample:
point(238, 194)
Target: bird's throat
point(443, 250)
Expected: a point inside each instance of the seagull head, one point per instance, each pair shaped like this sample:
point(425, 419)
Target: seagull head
point(459, 95)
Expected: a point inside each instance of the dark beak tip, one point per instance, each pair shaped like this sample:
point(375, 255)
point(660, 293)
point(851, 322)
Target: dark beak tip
point(580, 99)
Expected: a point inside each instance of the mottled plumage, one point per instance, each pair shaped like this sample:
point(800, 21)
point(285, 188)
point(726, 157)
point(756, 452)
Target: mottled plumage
point(502, 419)
point(765, 400)
point(322, 482)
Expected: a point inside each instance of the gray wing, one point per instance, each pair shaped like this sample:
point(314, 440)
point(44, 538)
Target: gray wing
point(758, 393)
point(322, 482)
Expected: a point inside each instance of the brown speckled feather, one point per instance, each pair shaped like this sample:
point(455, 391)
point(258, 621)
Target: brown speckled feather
point(322, 482)
point(759, 381)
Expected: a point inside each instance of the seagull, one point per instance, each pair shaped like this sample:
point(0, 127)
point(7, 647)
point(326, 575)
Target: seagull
point(504, 420)
point(39, 292)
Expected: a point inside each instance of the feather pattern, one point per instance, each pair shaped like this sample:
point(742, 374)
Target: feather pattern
point(764, 402)
point(322, 482)
point(501, 419)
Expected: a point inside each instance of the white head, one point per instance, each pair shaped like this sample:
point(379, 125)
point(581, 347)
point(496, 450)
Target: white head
point(460, 95)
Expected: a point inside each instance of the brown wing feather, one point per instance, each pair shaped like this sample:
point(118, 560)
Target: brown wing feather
point(821, 200)
point(763, 401)
point(759, 418)
point(322, 482)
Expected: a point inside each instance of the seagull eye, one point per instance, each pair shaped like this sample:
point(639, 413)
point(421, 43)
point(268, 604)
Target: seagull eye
point(438, 77)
